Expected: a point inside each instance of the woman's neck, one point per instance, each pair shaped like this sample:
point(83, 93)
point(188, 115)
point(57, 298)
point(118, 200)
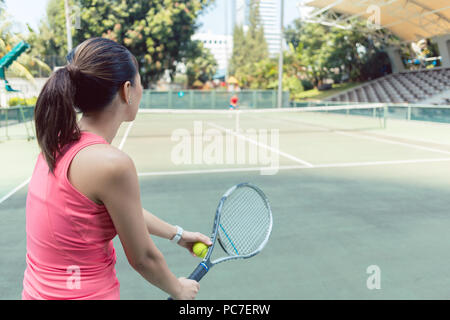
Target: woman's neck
point(104, 124)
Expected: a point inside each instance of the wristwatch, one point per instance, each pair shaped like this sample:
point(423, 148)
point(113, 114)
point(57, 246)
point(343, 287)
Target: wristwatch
point(177, 236)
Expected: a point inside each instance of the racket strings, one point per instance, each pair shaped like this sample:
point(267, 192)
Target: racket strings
point(245, 222)
point(247, 231)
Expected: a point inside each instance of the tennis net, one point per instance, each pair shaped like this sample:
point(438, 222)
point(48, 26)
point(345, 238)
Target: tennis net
point(418, 112)
point(162, 122)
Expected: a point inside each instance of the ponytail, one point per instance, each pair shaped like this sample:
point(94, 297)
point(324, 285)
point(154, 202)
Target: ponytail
point(96, 70)
point(55, 115)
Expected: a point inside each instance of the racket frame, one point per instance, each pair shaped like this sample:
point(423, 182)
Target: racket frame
point(206, 263)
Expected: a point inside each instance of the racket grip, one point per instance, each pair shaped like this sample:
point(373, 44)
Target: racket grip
point(199, 272)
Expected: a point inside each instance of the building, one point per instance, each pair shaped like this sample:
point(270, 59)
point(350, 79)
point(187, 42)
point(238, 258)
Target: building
point(241, 8)
point(221, 47)
point(269, 11)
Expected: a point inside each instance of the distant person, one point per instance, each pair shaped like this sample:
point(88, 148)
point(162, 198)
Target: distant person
point(85, 191)
point(234, 102)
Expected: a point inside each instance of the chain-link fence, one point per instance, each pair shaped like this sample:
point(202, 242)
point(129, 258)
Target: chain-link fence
point(199, 99)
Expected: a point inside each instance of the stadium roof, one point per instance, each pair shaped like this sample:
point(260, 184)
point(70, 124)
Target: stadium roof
point(410, 20)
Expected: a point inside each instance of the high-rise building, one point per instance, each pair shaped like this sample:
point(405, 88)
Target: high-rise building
point(221, 47)
point(269, 12)
point(242, 12)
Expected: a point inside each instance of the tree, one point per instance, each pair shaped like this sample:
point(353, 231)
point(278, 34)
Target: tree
point(238, 57)
point(50, 41)
point(158, 33)
point(265, 75)
point(200, 66)
point(249, 48)
point(26, 63)
point(314, 51)
point(330, 52)
point(256, 43)
point(293, 33)
point(251, 64)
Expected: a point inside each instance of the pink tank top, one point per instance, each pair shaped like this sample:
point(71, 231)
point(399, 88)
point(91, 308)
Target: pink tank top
point(70, 253)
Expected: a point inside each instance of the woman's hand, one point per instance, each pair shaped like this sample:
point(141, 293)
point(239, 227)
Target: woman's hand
point(189, 238)
point(189, 289)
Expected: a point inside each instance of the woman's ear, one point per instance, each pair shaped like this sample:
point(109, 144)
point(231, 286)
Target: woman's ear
point(125, 92)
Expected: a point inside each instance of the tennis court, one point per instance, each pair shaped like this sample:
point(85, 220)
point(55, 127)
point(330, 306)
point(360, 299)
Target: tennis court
point(349, 189)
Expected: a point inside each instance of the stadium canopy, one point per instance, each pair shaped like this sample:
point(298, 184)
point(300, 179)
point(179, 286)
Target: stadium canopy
point(410, 20)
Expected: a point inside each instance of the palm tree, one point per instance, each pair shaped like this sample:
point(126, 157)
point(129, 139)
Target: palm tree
point(8, 40)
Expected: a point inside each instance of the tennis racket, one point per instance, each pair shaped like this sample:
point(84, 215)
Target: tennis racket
point(242, 227)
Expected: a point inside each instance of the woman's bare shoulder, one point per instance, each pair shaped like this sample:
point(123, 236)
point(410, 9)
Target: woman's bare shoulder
point(96, 166)
point(105, 158)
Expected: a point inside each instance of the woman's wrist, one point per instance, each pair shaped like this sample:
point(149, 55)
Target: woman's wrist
point(177, 234)
point(178, 289)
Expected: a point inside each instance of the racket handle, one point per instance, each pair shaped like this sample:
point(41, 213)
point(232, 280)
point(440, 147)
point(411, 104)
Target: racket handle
point(199, 272)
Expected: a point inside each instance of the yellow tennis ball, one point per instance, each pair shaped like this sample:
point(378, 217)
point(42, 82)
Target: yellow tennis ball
point(200, 249)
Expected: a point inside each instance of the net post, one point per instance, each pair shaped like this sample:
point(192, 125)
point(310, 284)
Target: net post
point(274, 99)
point(6, 127)
point(409, 112)
point(170, 98)
point(22, 115)
point(385, 114)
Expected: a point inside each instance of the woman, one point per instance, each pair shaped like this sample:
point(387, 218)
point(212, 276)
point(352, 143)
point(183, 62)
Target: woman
point(84, 191)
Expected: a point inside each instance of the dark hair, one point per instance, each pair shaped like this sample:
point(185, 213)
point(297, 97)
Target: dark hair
point(96, 70)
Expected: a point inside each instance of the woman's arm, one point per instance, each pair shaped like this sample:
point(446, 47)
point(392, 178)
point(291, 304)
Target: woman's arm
point(160, 228)
point(119, 191)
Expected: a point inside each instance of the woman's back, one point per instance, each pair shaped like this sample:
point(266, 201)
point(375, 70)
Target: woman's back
point(70, 254)
point(71, 223)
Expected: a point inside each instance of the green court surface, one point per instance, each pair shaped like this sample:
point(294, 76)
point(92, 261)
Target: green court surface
point(346, 194)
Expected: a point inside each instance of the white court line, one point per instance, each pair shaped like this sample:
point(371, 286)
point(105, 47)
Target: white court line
point(20, 186)
point(392, 135)
point(318, 166)
point(125, 136)
point(277, 151)
point(421, 122)
point(410, 145)
point(378, 163)
point(200, 171)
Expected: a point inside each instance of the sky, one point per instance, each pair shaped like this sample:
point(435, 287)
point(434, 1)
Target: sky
point(26, 11)
point(32, 11)
point(214, 18)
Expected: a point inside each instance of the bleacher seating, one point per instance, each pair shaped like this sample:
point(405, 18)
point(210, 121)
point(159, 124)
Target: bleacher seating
point(405, 87)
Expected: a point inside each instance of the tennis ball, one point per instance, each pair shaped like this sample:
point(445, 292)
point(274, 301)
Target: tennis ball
point(200, 249)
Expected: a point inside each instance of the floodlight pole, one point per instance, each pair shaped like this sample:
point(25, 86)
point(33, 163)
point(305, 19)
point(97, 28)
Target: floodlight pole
point(280, 59)
point(68, 26)
point(226, 40)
